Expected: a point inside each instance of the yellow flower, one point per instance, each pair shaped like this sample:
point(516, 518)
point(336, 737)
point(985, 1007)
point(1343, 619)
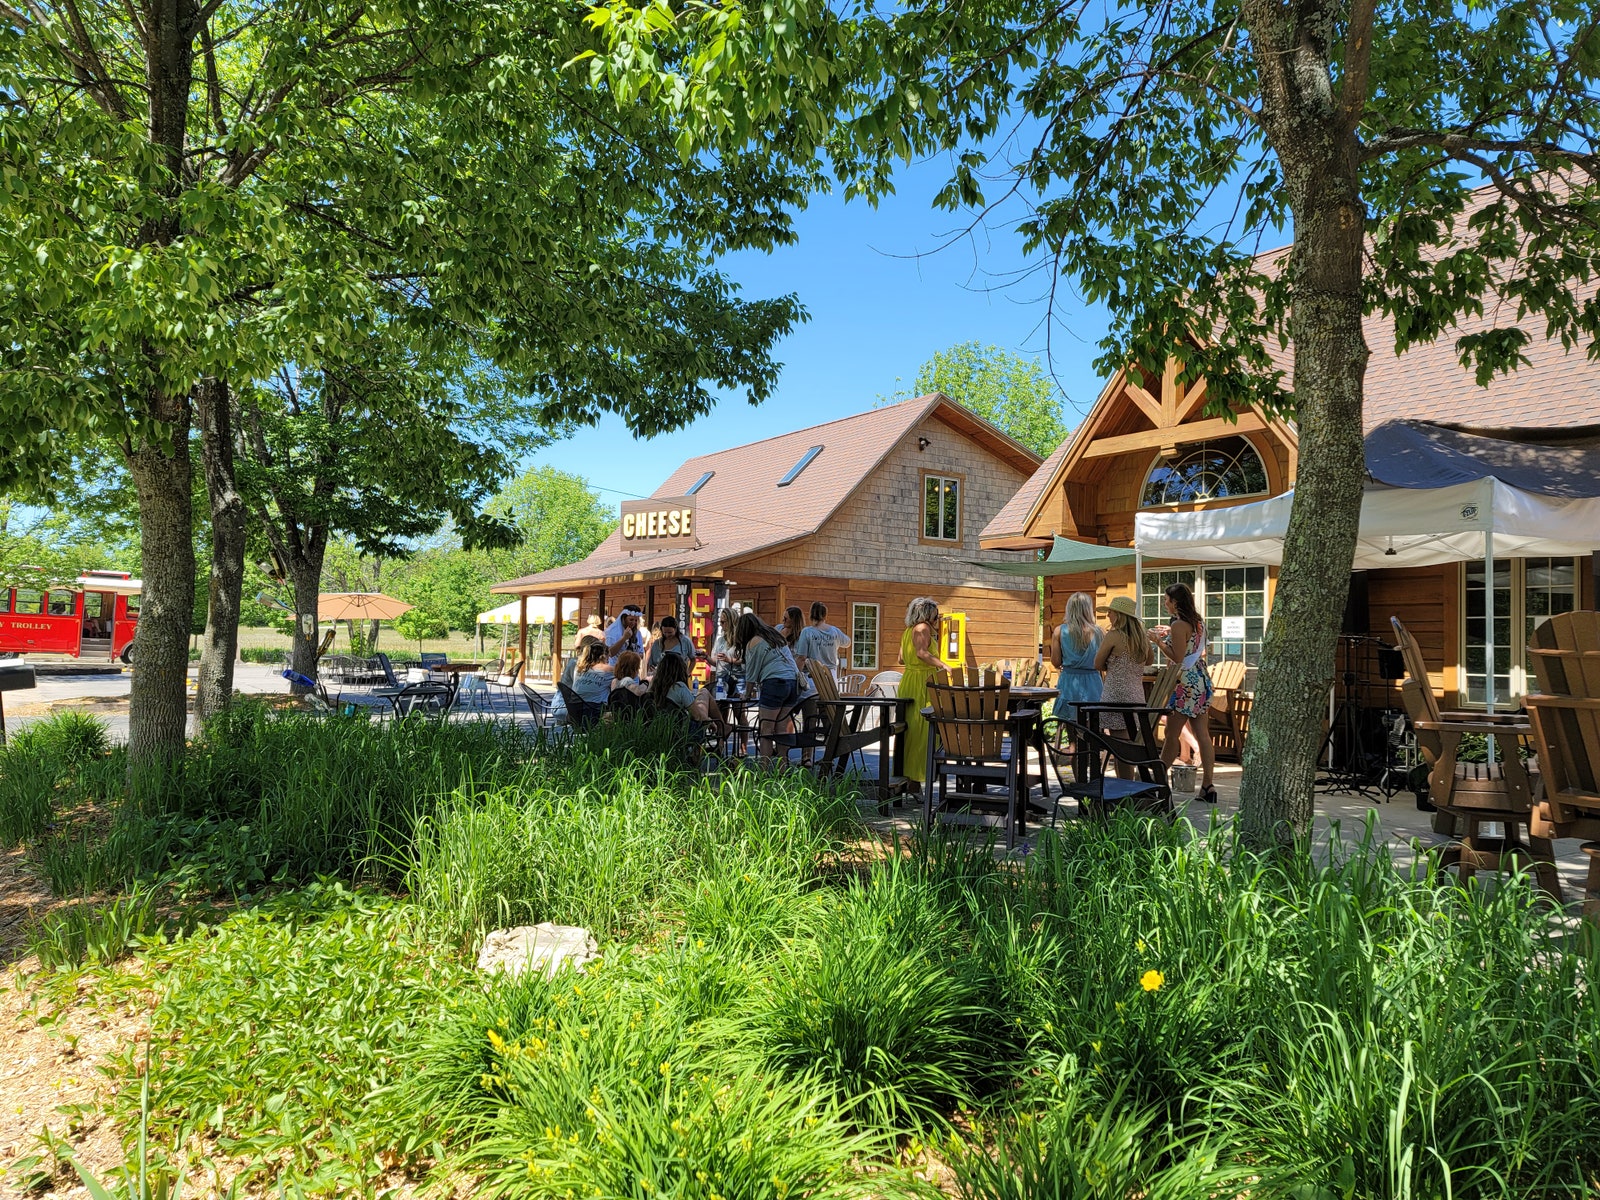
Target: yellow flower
point(666, 1068)
point(1151, 980)
point(1139, 945)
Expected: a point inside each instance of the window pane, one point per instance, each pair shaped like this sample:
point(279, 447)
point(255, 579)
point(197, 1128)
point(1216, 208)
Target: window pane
point(29, 601)
point(1477, 628)
point(61, 604)
point(133, 605)
point(930, 507)
point(864, 636)
point(5, 600)
point(1206, 471)
point(91, 604)
point(952, 506)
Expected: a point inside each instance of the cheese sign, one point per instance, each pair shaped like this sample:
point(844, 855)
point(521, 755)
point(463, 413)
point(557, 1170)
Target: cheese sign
point(657, 524)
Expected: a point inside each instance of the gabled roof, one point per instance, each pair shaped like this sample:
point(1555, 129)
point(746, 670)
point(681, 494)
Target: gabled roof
point(1557, 388)
point(743, 512)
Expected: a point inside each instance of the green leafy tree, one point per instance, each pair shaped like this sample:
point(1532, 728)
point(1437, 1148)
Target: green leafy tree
point(450, 587)
point(198, 192)
point(1157, 146)
point(1005, 389)
point(560, 519)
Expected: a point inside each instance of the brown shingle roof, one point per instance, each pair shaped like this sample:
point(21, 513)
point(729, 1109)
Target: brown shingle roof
point(1556, 388)
point(742, 510)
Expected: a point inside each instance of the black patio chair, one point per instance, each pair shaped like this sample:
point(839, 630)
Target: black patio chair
point(1085, 752)
point(581, 714)
point(539, 705)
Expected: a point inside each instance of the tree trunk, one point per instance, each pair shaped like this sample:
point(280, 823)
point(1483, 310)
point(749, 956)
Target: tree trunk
point(1311, 128)
point(221, 649)
point(158, 706)
point(306, 573)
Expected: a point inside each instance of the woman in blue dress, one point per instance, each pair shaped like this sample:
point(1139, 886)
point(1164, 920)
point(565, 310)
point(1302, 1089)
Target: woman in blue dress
point(1076, 643)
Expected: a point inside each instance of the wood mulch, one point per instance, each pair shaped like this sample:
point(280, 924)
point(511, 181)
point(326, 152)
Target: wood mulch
point(52, 1060)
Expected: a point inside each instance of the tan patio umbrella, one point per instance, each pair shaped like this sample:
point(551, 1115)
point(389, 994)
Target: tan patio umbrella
point(359, 606)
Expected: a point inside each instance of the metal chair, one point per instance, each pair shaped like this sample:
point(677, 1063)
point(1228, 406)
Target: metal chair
point(539, 705)
point(581, 713)
point(1086, 751)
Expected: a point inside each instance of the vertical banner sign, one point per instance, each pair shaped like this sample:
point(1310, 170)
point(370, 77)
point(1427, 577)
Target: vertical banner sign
point(701, 627)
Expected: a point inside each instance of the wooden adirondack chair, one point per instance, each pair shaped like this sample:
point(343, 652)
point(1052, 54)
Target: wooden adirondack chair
point(1565, 655)
point(968, 746)
point(1230, 709)
point(1474, 795)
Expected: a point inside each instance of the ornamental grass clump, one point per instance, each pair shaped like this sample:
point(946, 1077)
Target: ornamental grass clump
point(873, 1005)
point(43, 769)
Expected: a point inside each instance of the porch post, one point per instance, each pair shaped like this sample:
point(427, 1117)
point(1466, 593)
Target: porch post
point(555, 642)
point(522, 635)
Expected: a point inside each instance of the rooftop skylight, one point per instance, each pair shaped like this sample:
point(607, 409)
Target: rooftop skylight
point(805, 461)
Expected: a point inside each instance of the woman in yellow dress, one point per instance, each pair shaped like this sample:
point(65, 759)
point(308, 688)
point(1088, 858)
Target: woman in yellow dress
point(919, 661)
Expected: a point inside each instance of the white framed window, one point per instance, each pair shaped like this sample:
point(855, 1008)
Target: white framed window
point(941, 508)
point(1231, 600)
point(864, 637)
point(1526, 591)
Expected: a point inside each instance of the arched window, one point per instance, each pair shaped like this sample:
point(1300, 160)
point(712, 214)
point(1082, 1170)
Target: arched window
point(1206, 471)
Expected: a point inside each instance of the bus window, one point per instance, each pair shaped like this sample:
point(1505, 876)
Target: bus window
point(5, 600)
point(92, 602)
point(133, 606)
point(61, 604)
point(29, 602)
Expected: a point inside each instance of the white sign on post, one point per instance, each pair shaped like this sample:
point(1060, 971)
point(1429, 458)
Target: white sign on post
point(1233, 629)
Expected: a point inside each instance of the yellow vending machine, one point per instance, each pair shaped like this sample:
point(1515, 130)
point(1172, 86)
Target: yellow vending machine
point(953, 639)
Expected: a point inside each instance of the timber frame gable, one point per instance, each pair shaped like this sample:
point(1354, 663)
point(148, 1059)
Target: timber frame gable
point(1091, 488)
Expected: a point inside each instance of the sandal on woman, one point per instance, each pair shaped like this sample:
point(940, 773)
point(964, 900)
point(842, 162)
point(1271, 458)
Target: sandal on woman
point(1208, 794)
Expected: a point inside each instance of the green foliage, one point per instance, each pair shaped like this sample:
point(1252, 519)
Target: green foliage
point(84, 933)
point(274, 655)
point(1078, 1150)
point(873, 1006)
point(281, 1029)
point(599, 1091)
point(605, 842)
point(560, 518)
point(37, 762)
point(1005, 389)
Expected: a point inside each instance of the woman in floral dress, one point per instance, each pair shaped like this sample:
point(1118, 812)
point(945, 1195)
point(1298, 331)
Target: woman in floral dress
point(1184, 642)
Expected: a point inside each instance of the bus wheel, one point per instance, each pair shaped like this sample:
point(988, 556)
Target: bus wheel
point(127, 655)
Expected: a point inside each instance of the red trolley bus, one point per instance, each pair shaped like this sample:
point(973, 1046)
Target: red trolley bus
point(96, 618)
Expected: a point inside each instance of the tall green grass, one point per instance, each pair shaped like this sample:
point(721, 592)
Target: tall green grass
point(40, 766)
point(1132, 1009)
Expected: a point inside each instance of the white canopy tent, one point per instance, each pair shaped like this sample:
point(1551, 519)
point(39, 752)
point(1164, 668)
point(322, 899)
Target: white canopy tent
point(1400, 527)
point(541, 611)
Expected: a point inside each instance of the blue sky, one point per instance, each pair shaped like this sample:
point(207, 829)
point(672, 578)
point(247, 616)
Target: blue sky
point(882, 298)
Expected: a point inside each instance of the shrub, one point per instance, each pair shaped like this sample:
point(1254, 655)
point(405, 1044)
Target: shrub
point(84, 933)
point(75, 862)
point(40, 759)
point(597, 1085)
point(275, 655)
point(873, 1007)
point(283, 1025)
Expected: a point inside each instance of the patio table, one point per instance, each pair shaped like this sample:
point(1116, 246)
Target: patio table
point(846, 736)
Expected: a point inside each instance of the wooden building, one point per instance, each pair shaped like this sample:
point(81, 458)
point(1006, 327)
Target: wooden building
point(1148, 445)
point(863, 514)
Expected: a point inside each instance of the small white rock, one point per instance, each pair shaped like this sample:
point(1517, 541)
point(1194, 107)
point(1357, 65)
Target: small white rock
point(544, 947)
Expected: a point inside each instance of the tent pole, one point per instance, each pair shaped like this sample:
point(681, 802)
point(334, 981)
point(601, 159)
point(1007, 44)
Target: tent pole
point(522, 635)
point(1488, 631)
point(1138, 582)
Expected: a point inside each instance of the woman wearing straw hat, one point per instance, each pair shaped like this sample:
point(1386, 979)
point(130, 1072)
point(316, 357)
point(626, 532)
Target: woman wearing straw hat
point(1125, 651)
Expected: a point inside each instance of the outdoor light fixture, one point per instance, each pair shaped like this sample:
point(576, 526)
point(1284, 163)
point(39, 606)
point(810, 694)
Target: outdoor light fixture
point(923, 443)
point(1389, 553)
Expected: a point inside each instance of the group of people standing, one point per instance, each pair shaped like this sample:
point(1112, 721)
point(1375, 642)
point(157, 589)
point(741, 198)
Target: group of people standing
point(1107, 665)
point(770, 664)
